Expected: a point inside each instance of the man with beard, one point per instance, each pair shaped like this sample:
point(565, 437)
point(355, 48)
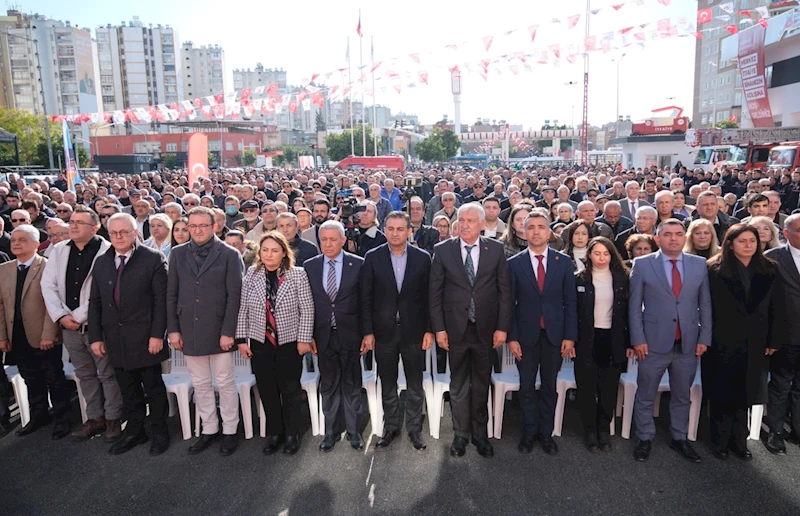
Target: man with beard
point(321, 211)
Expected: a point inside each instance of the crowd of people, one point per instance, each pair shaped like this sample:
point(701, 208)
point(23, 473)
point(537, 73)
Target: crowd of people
point(675, 270)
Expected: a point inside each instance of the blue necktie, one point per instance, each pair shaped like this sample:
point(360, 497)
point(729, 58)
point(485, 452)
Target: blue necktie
point(470, 267)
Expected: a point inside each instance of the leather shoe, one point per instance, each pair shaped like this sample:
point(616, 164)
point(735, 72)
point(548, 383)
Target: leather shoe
point(604, 441)
point(720, 453)
point(684, 448)
point(89, 429)
point(590, 441)
point(642, 451)
point(5, 428)
point(386, 440)
point(202, 443)
point(127, 443)
point(273, 443)
point(741, 451)
point(229, 445)
point(526, 444)
point(485, 448)
point(416, 441)
point(774, 444)
point(291, 446)
point(459, 447)
point(60, 431)
point(33, 426)
point(329, 442)
point(549, 445)
point(159, 445)
point(356, 442)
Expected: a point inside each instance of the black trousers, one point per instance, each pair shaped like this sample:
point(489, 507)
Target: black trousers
point(470, 370)
point(340, 386)
point(131, 383)
point(784, 388)
point(5, 394)
point(539, 406)
point(728, 425)
point(43, 372)
point(278, 371)
point(598, 383)
point(387, 355)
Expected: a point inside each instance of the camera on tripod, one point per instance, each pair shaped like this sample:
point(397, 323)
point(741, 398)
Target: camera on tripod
point(412, 186)
point(349, 208)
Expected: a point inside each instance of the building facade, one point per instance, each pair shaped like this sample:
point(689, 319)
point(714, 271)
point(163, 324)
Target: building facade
point(203, 70)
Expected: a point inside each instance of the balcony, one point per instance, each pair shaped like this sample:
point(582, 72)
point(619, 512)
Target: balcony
point(66, 52)
point(66, 63)
point(69, 88)
point(67, 76)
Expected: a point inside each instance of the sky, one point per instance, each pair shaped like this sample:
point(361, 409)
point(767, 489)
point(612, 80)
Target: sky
point(311, 37)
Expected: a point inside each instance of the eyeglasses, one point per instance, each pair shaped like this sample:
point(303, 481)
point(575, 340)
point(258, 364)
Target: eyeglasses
point(250, 209)
point(119, 234)
point(79, 223)
point(269, 210)
point(62, 211)
point(19, 220)
point(443, 226)
point(195, 227)
point(103, 216)
point(357, 196)
point(53, 235)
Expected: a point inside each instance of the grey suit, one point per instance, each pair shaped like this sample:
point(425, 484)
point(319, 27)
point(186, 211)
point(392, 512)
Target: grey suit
point(654, 314)
point(625, 208)
point(311, 235)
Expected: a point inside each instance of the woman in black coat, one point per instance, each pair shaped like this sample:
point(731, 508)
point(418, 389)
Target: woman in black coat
point(603, 338)
point(748, 324)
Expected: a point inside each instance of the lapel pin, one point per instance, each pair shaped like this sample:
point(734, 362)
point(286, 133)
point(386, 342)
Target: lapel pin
point(485, 248)
point(556, 258)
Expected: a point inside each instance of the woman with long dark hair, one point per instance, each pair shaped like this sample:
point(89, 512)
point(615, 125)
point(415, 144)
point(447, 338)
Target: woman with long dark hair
point(513, 238)
point(748, 326)
point(603, 339)
point(577, 242)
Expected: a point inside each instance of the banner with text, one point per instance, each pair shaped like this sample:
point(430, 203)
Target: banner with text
point(754, 81)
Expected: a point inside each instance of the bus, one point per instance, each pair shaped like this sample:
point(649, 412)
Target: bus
point(470, 160)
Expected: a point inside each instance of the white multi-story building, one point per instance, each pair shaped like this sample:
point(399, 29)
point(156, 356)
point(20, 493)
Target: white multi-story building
point(138, 66)
point(259, 76)
point(203, 70)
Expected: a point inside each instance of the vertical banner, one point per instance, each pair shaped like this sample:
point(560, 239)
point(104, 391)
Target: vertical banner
point(754, 81)
point(198, 157)
point(70, 159)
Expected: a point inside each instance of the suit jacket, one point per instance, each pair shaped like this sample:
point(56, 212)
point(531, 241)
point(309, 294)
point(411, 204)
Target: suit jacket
point(346, 307)
point(294, 307)
point(654, 324)
point(5, 244)
point(303, 250)
point(625, 208)
point(790, 279)
point(426, 238)
point(203, 304)
point(311, 235)
point(142, 313)
point(37, 322)
point(558, 303)
point(381, 302)
point(450, 290)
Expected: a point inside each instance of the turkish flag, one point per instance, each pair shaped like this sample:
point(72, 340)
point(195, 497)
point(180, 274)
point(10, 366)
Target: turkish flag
point(704, 16)
point(423, 76)
point(301, 96)
point(732, 29)
point(664, 25)
point(245, 94)
point(293, 106)
point(273, 89)
point(572, 21)
point(198, 103)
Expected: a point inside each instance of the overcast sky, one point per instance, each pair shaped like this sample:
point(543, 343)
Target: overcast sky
point(311, 37)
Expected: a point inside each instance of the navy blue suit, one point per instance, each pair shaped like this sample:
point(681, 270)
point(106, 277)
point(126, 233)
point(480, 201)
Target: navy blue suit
point(541, 347)
point(338, 348)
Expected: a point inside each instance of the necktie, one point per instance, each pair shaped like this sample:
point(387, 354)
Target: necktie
point(633, 209)
point(119, 280)
point(676, 289)
point(540, 277)
point(21, 267)
point(470, 267)
point(331, 287)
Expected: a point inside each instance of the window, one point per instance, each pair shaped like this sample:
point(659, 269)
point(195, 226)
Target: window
point(726, 114)
point(169, 68)
point(708, 51)
point(707, 68)
point(705, 119)
point(711, 101)
point(184, 145)
point(172, 147)
point(737, 98)
point(705, 102)
point(720, 98)
point(705, 87)
point(716, 48)
point(727, 97)
point(738, 81)
point(228, 146)
point(721, 81)
point(728, 79)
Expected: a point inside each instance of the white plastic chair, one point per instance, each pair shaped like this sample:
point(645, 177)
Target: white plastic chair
point(626, 395)
point(402, 384)
point(69, 374)
point(245, 384)
point(370, 382)
point(179, 384)
point(20, 393)
point(696, 397)
point(441, 385)
point(309, 381)
point(564, 381)
point(756, 417)
point(504, 382)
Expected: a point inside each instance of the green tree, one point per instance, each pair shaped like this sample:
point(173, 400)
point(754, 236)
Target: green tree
point(439, 146)
point(29, 130)
point(727, 124)
point(338, 145)
point(319, 121)
point(249, 158)
point(170, 161)
point(212, 159)
point(42, 158)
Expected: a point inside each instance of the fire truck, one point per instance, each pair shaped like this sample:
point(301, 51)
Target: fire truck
point(672, 124)
point(743, 148)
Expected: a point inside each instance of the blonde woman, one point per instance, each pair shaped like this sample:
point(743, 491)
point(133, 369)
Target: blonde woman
point(160, 233)
point(767, 232)
point(701, 239)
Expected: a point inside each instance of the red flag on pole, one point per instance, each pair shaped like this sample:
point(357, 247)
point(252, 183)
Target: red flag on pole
point(487, 42)
point(732, 29)
point(572, 21)
point(272, 89)
point(704, 16)
point(532, 29)
point(358, 28)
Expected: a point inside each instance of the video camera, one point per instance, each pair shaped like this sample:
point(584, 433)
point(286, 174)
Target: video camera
point(350, 208)
point(412, 186)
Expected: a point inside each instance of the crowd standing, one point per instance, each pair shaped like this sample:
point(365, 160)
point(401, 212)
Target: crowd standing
point(675, 270)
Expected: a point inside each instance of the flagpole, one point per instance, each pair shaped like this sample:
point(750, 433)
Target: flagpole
point(363, 100)
point(374, 100)
point(350, 80)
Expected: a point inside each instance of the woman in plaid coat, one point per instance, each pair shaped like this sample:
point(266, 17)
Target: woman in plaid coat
point(276, 323)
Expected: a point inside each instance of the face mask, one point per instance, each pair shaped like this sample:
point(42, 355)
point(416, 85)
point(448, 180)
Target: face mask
point(231, 210)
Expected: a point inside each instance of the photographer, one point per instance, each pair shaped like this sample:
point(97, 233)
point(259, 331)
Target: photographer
point(369, 236)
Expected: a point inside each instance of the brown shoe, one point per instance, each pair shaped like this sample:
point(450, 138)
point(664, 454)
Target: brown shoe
point(89, 429)
point(113, 431)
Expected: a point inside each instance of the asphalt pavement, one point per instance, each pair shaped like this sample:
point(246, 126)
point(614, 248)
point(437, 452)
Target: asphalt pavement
point(42, 477)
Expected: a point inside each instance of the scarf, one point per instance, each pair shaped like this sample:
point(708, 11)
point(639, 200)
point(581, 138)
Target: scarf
point(200, 252)
point(274, 282)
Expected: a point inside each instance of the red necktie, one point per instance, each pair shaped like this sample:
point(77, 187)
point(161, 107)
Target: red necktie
point(676, 289)
point(540, 279)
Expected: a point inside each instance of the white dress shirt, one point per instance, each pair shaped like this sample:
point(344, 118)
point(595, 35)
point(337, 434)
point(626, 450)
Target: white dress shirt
point(795, 256)
point(127, 256)
point(633, 205)
point(475, 252)
point(535, 262)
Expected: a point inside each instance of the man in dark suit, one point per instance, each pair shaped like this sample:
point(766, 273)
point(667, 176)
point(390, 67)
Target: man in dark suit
point(708, 208)
point(334, 279)
point(612, 217)
point(394, 307)
point(470, 303)
point(544, 328)
point(631, 203)
point(422, 236)
point(785, 363)
point(131, 329)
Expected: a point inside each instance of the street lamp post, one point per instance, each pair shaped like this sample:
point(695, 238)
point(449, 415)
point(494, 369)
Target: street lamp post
point(618, 62)
point(41, 90)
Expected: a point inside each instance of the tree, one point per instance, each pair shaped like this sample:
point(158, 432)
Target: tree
point(29, 130)
point(320, 121)
point(42, 158)
point(170, 161)
point(212, 159)
point(249, 158)
point(439, 146)
point(337, 146)
point(727, 124)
